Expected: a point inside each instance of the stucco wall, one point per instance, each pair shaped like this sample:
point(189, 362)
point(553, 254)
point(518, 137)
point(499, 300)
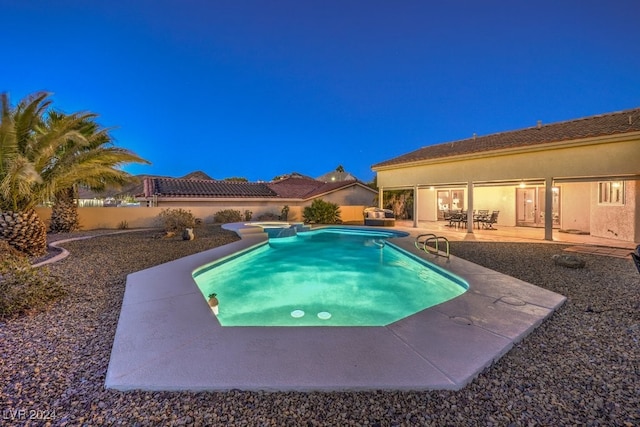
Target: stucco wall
point(207, 209)
point(502, 198)
point(616, 222)
point(612, 158)
point(575, 206)
point(427, 205)
point(143, 217)
point(351, 196)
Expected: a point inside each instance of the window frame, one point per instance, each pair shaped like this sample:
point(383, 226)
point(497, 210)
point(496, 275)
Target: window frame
point(610, 194)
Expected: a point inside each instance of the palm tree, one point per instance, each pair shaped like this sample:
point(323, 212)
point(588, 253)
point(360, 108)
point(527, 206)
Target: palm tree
point(92, 162)
point(42, 155)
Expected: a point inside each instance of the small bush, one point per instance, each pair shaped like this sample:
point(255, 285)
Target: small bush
point(321, 212)
point(124, 225)
point(176, 219)
point(247, 215)
point(227, 215)
point(23, 288)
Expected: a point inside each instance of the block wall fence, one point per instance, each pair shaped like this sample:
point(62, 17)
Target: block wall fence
point(147, 217)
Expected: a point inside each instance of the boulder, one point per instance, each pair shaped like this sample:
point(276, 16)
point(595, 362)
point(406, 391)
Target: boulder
point(569, 261)
point(187, 234)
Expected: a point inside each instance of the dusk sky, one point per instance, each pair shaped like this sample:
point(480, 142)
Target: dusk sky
point(257, 89)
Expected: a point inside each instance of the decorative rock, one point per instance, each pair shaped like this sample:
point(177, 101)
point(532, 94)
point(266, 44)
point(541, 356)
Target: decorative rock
point(187, 234)
point(570, 261)
point(571, 371)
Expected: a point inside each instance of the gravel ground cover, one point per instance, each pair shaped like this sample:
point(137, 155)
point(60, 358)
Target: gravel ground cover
point(581, 367)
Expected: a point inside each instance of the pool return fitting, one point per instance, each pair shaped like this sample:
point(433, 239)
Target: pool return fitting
point(431, 238)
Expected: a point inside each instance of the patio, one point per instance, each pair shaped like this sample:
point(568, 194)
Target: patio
point(503, 233)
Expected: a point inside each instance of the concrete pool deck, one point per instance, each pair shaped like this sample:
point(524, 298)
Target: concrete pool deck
point(168, 339)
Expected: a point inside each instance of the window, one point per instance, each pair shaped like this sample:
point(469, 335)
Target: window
point(611, 193)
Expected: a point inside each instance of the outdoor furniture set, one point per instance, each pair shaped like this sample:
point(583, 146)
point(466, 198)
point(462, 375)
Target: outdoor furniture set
point(379, 217)
point(481, 219)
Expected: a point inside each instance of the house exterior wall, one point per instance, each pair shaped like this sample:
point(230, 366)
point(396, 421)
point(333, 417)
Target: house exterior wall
point(600, 159)
point(588, 159)
point(500, 198)
point(620, 221)
point(427, 205)
point(354, 195)
point(575, 206)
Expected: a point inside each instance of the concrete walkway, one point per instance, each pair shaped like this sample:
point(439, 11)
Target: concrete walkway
point(578, 242)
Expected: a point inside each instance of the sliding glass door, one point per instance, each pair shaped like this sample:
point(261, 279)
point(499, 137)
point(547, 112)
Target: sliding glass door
point(530, 203)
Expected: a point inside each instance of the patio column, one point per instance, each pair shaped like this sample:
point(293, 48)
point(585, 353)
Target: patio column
point(548, 208)
point(380, 200)
point(415, 206)
point(470, 207)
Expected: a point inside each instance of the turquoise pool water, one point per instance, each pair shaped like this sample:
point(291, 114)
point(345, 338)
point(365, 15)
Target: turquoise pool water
point(325, 277)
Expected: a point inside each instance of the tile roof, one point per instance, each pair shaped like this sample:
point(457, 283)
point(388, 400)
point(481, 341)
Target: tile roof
point(294, 187)
point(287, 188)
point(175, 187)
point(601, 125)
point(331, 186)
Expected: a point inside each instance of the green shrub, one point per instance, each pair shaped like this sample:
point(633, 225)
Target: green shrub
point(247, 215)
point(23, 288)
point(227, 215)
point(176, 219)
point(321, 212)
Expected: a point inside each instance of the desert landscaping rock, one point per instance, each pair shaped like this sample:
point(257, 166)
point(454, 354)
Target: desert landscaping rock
point(580, 367)
point(569, 261)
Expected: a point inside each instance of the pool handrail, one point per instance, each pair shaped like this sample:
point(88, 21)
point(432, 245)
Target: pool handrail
point(432, 237)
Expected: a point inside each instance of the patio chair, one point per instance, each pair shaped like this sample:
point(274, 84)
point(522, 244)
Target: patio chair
point(458, 219)
point(489, 221)
point(635, 256)
point(480, 217)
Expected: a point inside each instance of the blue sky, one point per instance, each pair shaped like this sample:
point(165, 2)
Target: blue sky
point(260, 88)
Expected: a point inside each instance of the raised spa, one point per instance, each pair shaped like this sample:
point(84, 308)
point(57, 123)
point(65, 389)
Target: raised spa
point(325, 277)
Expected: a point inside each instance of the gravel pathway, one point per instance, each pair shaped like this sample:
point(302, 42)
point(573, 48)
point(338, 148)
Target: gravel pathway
point(582, 366)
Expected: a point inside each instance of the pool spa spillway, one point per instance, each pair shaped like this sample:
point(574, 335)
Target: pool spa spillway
point(325, 277)
point(277, 229)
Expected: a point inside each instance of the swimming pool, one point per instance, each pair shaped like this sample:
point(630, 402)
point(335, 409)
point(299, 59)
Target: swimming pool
point(325, 277)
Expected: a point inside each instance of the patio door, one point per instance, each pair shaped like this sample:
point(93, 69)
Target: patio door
point(450, 200)
point(530, 204)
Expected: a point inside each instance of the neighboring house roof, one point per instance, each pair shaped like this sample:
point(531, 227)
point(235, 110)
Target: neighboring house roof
point(133, 188)
point(333, 186)
point(291, 187)
point(336, 176)
point(588, 127)
point(179, 187)
point(295, 186)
